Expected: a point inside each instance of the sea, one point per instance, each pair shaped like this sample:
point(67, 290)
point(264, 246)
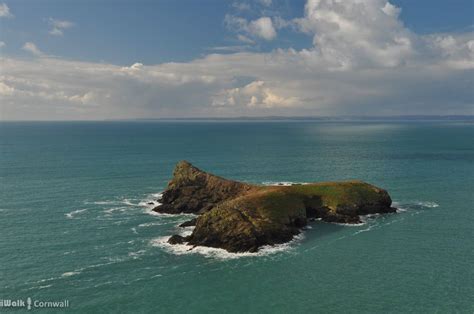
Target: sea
point(76, 222)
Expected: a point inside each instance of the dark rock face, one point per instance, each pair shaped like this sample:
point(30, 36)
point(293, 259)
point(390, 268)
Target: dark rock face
point(177, 239)
point(194, 191)
point(189, 223)
point(233, 231)
point(240, 217)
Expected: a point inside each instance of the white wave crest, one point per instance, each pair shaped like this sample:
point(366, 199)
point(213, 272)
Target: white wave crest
point(154, 223)
point(70, 273)
point(282, 183)
point(115, 209)
point(137, 254)
point(369, 227)
point(149, 203)
point(428, 204)
point(151, 200)
point(75, 212)
point(186, 231)
point(124, 201)
point(405, 206)
point(209, 252)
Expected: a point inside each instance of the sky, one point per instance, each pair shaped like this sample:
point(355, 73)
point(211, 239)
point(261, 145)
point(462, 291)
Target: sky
point(124, 59)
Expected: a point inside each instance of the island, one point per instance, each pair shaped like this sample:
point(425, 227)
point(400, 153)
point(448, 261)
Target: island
point(242, 217)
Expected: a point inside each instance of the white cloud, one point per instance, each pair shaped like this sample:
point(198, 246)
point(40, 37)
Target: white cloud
point(357, 32)
point(58, 26)
point(266, 3)
point(2, 44)
point(363, 62)
point(391, 10)
point(254, 94)
point(263, 28)
point(6, 90)
point(234, 48)
point(241, 6)
point(5, 11)
point(31, 48)
point(245, 39)
point(260, 28)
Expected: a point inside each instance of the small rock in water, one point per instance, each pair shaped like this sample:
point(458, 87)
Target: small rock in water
point(189, 223)
point(176, 239)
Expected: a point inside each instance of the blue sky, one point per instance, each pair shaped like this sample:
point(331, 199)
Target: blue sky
point(237, 57)
point(123, 32)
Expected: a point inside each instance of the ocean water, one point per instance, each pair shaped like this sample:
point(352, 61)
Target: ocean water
point(75, 223)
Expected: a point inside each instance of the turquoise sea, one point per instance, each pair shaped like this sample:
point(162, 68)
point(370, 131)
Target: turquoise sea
point(75, 223)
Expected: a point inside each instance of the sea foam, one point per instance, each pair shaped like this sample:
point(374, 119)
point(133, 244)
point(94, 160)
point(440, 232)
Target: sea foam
point(74, 212)
point(282, 183)
point(216, 253)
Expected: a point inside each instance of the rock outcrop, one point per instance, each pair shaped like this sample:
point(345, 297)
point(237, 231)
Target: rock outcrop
point(242, 217)
point(194, 191)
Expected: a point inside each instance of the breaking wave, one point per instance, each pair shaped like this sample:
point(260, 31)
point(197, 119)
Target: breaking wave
point(282, 183)
point(221, 254)
point(406, 206)
point(71, 215)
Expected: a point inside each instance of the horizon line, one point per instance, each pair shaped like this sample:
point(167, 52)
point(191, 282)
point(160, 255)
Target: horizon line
point(269, 118)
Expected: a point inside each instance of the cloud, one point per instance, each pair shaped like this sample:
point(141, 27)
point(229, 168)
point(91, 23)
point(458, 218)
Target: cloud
point(254, 94)
point(234, 48)
point(31, 48)
point(260, 28)
point(263, 28)
point(245, 39)
point(58, 26)
point(241, 6)
point(5, 11)
point(6, 90)
point(353, 33)
point(266, 3)
point(2, 44)
point(363, 61)
point(391, 10)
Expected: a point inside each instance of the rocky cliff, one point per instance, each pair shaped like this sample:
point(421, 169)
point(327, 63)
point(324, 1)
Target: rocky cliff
point(194, 191)
point(242, 217)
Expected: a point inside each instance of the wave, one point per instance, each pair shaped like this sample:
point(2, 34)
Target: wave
point(115, 209)
point(151, 200)
point(147, 203)
point(128, 202)
point(45, 286)
point(80, 270)
point(124, 201)
point(154, 223)
point(137, 254)
point(102, 202)
point(348, 224)
point(221, 254)
point(186, 231)
point(70, 273)
point(405, 206)
point(369, 227)
point(428, 204)
point(71, 215)
point(282, 183)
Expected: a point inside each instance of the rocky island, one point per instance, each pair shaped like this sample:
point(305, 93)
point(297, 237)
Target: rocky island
point(240, 217)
